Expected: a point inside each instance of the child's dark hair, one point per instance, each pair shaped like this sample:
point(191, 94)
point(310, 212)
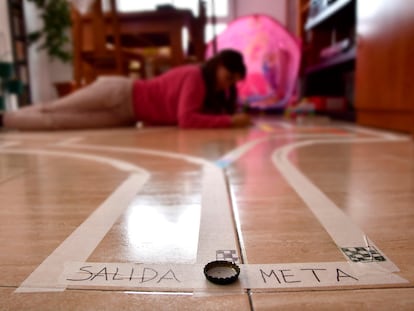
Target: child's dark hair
point(218, 102)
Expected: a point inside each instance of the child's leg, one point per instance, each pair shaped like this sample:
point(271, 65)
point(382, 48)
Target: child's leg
point(106, 103)
point(41, 121)
point(104, 93)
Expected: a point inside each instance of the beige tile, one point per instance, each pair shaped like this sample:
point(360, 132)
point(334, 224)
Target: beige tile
point(43, 199)
point(78, 300)
point(375, 299)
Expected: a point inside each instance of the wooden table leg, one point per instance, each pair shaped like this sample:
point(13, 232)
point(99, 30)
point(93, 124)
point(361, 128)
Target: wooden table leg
point(77, 39)
point(177, 53)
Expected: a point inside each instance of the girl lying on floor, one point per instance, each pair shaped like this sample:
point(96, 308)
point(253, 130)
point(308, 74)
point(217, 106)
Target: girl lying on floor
point(190, 96)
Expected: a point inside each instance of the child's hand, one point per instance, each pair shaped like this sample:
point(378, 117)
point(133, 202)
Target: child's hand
point(241, 120)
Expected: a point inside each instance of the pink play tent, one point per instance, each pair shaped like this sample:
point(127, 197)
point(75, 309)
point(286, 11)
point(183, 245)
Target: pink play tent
point(272, 56)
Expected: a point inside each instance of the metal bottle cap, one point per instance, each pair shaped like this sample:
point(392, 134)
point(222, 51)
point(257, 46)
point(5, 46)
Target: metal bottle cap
point(222, 272)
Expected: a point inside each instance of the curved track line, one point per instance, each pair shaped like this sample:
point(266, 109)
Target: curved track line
point(295, 177)
point(9, 144)
point(374, 132)
point(211, 172)
point(232, 156)
point(215, 200)
point(68, 140)
point(235, 154)
point(83, 241)
point(338, 225)
point(80, 244)
point(118, 164)
point(143, 151)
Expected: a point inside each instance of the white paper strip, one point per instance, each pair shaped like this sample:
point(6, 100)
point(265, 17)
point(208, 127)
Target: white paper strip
point(217, 231)
point(191, 277)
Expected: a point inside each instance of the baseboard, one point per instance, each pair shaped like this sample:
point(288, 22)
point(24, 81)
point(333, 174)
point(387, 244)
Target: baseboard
point(390, 120)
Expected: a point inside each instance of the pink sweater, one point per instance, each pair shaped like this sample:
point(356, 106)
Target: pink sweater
point(176, 97)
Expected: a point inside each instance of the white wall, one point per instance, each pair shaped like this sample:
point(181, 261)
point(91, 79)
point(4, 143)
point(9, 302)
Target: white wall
point(5, 48)
point(274, 8)
point(6, 53)
point(43, 71)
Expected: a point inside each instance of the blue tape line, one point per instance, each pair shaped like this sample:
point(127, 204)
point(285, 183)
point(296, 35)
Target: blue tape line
point(223, 163)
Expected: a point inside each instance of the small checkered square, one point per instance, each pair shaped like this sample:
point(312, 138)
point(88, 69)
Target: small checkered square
point(363, 254)
point(227, 255)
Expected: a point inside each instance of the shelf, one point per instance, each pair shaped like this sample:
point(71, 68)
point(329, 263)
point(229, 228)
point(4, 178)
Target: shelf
point(19, 38)
point(349, 115)
point(327, 13)
point(342, 58)
point(19, 47)
point(21, 63)
point(305, 8)
point(16, 5)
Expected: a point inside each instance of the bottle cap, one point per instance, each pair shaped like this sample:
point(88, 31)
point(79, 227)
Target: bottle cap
point(222, 272)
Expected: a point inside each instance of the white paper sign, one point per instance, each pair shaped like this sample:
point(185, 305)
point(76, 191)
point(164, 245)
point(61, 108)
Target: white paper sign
point(191, 277)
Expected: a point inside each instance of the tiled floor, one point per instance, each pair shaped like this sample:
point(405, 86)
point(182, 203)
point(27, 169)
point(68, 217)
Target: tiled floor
point(51, 183)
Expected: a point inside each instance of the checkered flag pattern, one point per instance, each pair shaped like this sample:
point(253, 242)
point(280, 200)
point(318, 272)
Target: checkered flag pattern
point(227, 255)
point(363, 254)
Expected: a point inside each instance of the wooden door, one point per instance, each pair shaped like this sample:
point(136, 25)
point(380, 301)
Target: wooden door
point(385, 64)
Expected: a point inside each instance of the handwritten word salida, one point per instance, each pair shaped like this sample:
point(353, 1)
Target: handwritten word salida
point(113, 274)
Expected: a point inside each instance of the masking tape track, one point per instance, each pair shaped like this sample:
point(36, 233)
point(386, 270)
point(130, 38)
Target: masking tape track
point(339, 226)
point(212, 209)
point(9, 144)
point(350, 239)
point(377, 273)
point(217, 231)
point(81, 243)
